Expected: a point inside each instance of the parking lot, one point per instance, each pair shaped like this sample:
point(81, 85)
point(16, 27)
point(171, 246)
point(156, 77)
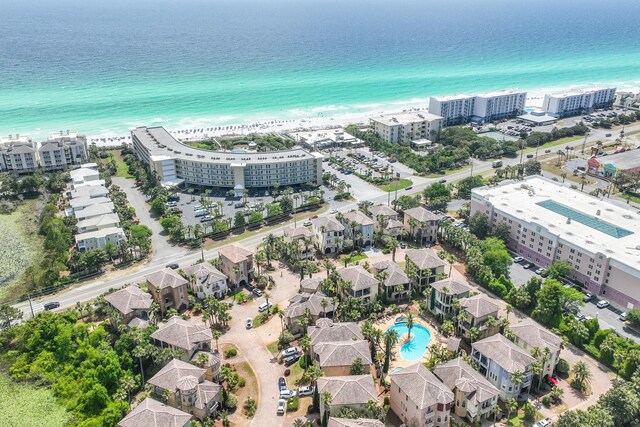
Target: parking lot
point(520, 275)
point(608, 317)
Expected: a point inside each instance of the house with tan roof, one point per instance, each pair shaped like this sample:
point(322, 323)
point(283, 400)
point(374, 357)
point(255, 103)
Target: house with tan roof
point(444, 293)
point(386, 220)
point(528, 335)
point(427, 264)
point(205, 280)
point(236, 262)
point(179, 334)
point(358, 228)
point(476, 311)
point(395, 283)
point(419, 398)
point(210, 362)
point(351, 391)
point(131, 302)
point(312, 304)
point(362, 284)
point(304, 238)
point(422, 225)
point(474, 396)
point(328, 234)
point(168, 289)
point(310, 285)
point(151, 413)
point(358, 422)
point(498, 359)
point(184, 387)
point(335, 358)
point(326, 330)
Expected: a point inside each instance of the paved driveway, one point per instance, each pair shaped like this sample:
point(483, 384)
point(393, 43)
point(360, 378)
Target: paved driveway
point(609, 318)
point(162, 249)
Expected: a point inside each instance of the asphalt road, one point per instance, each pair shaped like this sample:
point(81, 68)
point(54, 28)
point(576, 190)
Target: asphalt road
point(183, 257)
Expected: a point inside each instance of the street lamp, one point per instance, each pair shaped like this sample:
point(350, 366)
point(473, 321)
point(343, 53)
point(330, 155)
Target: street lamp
point(397, 179)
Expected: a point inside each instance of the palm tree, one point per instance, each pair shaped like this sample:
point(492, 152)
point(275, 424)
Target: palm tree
point(326, 401)
point(451, 259)
point(266, 297)
point(581, 373)
point(511, 405)
point(305, 345)
point(390, 339)
point(298, 423)
point(409, 323)
point(324, 303)
point(517, 378)
point(509, 310)
point(496, 410)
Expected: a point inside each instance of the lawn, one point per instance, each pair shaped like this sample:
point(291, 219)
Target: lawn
point(631, 197)
point(21, 245)
point(349, 259)
point(402, 183)
point(517, 419)
point(250, 389)
point(122, 168)
point(26, 406)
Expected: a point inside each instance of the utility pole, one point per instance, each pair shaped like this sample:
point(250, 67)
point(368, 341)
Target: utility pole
point(202, 253)
point(31, 305)
point(585, 141)
point(397, 178)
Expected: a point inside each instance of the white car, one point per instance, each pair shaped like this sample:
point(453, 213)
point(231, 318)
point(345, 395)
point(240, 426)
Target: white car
point(307, 223)
point(518, 259)
point(333, 211)
point(289, 352)
point(602, 304)
point(264, 307)
point(287, 394)
point(542, 423)
point(248, 323)
point(282, 404)
point(306, 391)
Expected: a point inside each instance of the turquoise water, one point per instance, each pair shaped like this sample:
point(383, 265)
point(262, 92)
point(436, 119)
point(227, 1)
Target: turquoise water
point(414, 349)
point(102, 67)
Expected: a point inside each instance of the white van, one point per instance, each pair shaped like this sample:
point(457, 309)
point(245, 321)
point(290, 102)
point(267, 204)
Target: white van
point(264, 306)
point(201, 212)
point(197, 207)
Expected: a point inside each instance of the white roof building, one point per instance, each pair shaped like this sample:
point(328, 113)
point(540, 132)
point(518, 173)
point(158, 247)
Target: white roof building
point(400, 128)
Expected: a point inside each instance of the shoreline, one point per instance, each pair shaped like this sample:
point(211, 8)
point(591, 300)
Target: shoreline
point(297, 119)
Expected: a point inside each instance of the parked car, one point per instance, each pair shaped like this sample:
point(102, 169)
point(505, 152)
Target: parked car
point(623, 316)
point(257, 292)
point(288, 352)
point(602, 304)
point(282, 384)
point(542, 423)
point(587, 297)
point(540, 271)
point(173, 266)
point(264, 306)
point(529, 156)
point(306, 391)
point(408, 188)
point(287, 394)
point(281, 406)
point(579, 317)
point(527, 265)
point(290, 360)
point(442, 180)
point(307, 223)
point(333, 211)
point(518, 259)
point(313, 217)
point(51, 305)
point(248, 323)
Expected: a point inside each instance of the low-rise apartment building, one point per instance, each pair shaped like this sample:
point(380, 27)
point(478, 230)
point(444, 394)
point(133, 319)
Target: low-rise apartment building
point(474, 396)
point(176, 163)
point(63, 150)
point(328, 234)
point(168, 289)
point(18, 154)
point(236, 262)
point(548, 222)
point(499, 360)
point(335, 358)
point(579, 101)
point(402, 128)
point(536, 339)
point(97, 239)
point(325, 330)
point(422, 225)
point(419, 398)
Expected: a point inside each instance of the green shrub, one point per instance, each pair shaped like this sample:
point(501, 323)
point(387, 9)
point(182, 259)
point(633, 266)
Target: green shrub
point(232, 352)
point(529, 412)
point(292, 404)
point(562, 366)
point(232, 401)
point(241, 382)
point(546, 401)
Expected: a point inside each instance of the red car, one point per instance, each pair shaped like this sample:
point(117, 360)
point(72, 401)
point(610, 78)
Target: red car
point(313, 217)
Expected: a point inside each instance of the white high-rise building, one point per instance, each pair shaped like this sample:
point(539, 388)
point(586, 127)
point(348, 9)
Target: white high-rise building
point(483, 108)
point(578, 101)
point(402, 128)
point(18, 154)
point(62, 150)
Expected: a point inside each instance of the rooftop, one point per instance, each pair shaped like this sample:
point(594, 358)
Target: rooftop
point(129, 299)
point(423, 388)
point(459, 374)
point(482, 95)
point(162, 145)
point(165, 278)
point(580, 91)
point(382, 210)
point(395, 274)
point(300, 302)
point(358, 276)
point(330, 223)
point(349, 390)
point(358, 217)
point(535, 335)
point(151, 413)
point(326, 330)
point(358, 422)
point(297, 232)
point(594, 225)
point(182, 334)
point(110, 218)
point(629, 159)
point(420, 214)
point(311, 284)
point(405, 118)
point(170, 375)
point(235, 253)
point(97, 234)
point(205, 273)
point(479, 306)
point(342, 353)
point(505, 353)
point(424, 258)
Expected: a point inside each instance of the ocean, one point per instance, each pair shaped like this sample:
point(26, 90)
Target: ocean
point(100, 67)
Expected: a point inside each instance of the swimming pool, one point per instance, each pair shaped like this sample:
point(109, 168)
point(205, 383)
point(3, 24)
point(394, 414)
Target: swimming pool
point(414, 349)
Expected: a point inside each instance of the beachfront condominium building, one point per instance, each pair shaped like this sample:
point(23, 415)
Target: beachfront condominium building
point(18, 154)
point(460, 109)
point(402, 128)
point(62, 150)
point(548, 221)
point(578, 101)
point(177, 163)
